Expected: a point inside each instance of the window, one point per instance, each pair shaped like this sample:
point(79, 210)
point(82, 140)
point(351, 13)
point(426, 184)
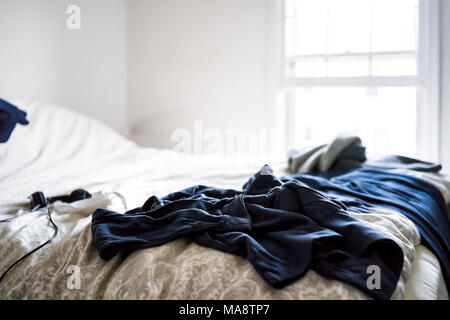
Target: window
point(365, 67)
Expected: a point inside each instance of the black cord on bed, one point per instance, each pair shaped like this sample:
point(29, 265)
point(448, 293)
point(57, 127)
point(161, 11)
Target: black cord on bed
point(15, 217)
point(36, 249)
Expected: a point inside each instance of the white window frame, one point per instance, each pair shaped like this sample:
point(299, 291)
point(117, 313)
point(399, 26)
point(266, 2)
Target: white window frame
point(426, 81)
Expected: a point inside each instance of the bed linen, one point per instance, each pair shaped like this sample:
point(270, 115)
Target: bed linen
point(69, 151)
point(427, 281)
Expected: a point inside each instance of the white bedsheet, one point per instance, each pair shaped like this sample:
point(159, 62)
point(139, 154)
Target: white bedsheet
point(426, 282)
point(61, 151)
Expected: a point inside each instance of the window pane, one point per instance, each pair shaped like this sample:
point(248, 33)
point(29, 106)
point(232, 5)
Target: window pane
point(311, 30)
point(385, 119)
point(394, 65)
point(357, 66)
point(394, 25)
point(290, 38)
point(290, 7)
point(349, 27)
point(355, 37)
point(311, 67)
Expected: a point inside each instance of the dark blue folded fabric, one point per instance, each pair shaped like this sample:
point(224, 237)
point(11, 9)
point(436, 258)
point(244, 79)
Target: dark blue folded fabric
point(402, 162)
point(283, 228)
point(418, 200)
point(9, 117)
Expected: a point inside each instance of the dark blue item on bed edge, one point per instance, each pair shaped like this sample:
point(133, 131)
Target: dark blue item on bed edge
point(9, 117)
point(415, 198)
point(283, 228)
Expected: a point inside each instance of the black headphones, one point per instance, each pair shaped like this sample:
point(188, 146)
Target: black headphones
point(38, 199)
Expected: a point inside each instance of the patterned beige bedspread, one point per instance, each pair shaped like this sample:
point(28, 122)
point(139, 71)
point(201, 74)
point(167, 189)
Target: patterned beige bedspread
point(70, 268)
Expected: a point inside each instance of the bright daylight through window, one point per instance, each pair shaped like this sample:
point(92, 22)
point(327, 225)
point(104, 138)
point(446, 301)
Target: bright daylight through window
point(356, 61)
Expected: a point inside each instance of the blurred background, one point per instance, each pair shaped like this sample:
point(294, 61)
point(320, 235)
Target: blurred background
point(295, 72)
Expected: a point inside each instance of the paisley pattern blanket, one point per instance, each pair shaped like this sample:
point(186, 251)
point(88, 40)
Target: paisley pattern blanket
point(70, 267)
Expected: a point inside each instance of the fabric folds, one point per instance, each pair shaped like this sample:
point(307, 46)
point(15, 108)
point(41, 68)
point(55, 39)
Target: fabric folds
point(282, 227)
point(10, 116)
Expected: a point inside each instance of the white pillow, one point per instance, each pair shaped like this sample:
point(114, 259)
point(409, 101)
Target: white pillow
point(55, 134)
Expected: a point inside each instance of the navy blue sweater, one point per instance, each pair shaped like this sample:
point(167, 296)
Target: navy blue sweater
point(282, 227)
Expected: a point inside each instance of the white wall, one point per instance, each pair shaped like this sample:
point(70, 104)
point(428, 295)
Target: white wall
point(445, 83)
point(83, 69)
point(196, 60)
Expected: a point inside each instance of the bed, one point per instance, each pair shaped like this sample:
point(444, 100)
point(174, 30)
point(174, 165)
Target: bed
point(62, 150)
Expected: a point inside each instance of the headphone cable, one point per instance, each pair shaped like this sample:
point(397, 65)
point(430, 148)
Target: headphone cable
point(35, 249)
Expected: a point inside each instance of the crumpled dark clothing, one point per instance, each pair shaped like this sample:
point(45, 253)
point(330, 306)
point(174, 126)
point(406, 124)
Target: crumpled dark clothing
point(10, 116)
point(282, 228)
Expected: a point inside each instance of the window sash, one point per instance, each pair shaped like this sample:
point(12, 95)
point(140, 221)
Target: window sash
point(387, 81)
point(426, 81)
